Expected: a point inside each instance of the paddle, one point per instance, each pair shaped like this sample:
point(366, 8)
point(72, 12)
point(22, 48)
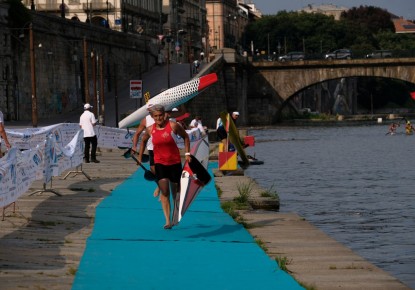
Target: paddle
point(148, 175)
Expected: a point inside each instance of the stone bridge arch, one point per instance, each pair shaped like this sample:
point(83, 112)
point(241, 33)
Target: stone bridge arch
point(272, 83)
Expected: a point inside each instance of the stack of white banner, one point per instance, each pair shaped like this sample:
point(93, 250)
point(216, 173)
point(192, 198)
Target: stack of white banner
point(49, 151)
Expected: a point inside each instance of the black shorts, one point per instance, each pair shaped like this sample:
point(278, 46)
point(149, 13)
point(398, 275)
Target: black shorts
point(151, 156)
point(171, 172)
point(221, 132)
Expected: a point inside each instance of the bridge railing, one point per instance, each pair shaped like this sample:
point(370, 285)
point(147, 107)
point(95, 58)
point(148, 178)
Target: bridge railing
point(356, 54)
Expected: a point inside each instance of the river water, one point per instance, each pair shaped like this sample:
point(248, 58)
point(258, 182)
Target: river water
point(354, 183)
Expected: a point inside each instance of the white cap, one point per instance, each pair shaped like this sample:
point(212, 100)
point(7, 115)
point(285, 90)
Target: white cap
point(87, 106)
point(174, 110)
point(235, 113)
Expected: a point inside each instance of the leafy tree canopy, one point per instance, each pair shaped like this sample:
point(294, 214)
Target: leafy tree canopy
point(370, 18)
point(363, 29)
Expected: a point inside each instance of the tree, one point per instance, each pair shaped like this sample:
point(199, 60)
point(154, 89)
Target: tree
point(361, 29)
point(370, 18)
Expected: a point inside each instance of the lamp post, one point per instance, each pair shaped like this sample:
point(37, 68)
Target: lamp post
point(168, 40)
point(33, 76)
point(102, 95)
point(116, 94)
point(94, 81)
point(86, 82)
point(177, 46)
point(219, 38)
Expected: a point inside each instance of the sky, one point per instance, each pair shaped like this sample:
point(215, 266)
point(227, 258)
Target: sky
point(403, 8)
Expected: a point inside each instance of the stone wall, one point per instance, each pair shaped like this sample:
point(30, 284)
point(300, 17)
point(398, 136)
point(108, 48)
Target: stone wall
point(60, 55)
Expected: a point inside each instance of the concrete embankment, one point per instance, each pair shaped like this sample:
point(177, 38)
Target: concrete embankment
point(43, 240)
point(313, 258)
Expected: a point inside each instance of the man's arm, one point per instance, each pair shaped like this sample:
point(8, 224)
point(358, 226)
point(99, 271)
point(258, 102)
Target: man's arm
point(143, 144)
point(137, 133)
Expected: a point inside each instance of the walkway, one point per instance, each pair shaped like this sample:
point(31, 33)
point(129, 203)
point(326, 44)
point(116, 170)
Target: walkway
point(129, 249)
point(43, 242)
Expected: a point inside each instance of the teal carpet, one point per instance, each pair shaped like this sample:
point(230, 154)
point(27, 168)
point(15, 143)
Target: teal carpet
point(129, 249)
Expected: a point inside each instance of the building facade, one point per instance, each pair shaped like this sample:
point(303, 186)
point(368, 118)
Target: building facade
point(227, 21)
point(135, 16)
point(327, 9)
point(179, 25)
point(185, 29)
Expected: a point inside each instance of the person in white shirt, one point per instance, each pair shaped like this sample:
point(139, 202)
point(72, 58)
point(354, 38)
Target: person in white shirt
point(197, 123)
point(87, 122)
point(3, 134)
point(221, 131)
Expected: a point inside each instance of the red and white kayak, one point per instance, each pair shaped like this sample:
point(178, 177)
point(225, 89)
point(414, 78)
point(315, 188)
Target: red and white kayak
point(171, 98)
point(194, 177)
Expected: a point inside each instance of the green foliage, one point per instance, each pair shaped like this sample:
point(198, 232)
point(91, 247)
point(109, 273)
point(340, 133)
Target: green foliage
point(393, 41)
point(283, 262)
point(230, 207)
point(219, 190)
point(261, 244)
point(244, 190)
point(270, 192)
point(372, 18)
point(72, 271)
point(362, 28)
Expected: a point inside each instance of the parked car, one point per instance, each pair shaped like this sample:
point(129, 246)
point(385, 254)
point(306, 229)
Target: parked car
point(379, 54)
point(294, 55)
point(339, 54)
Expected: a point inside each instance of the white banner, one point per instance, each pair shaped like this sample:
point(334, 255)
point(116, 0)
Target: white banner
point(17, 172)
point(49, 151)
point(30, 137)
point(63, 133)
point(109, 137)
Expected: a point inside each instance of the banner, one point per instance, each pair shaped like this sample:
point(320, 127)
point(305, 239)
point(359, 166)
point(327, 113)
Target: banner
point(17, 172)
point(69, 156)
point(63, 133)
point(110, 137)
point(30, 137)
point(41, 153)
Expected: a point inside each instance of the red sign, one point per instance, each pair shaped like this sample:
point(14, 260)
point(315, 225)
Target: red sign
point(136, 89)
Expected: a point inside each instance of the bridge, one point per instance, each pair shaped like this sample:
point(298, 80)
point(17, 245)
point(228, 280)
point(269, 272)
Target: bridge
point(271, 84)
point(261, 90)
point(289, 78)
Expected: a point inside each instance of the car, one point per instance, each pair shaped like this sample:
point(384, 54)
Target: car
point(339, 54)
point(294, 55)
point(379, 54)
